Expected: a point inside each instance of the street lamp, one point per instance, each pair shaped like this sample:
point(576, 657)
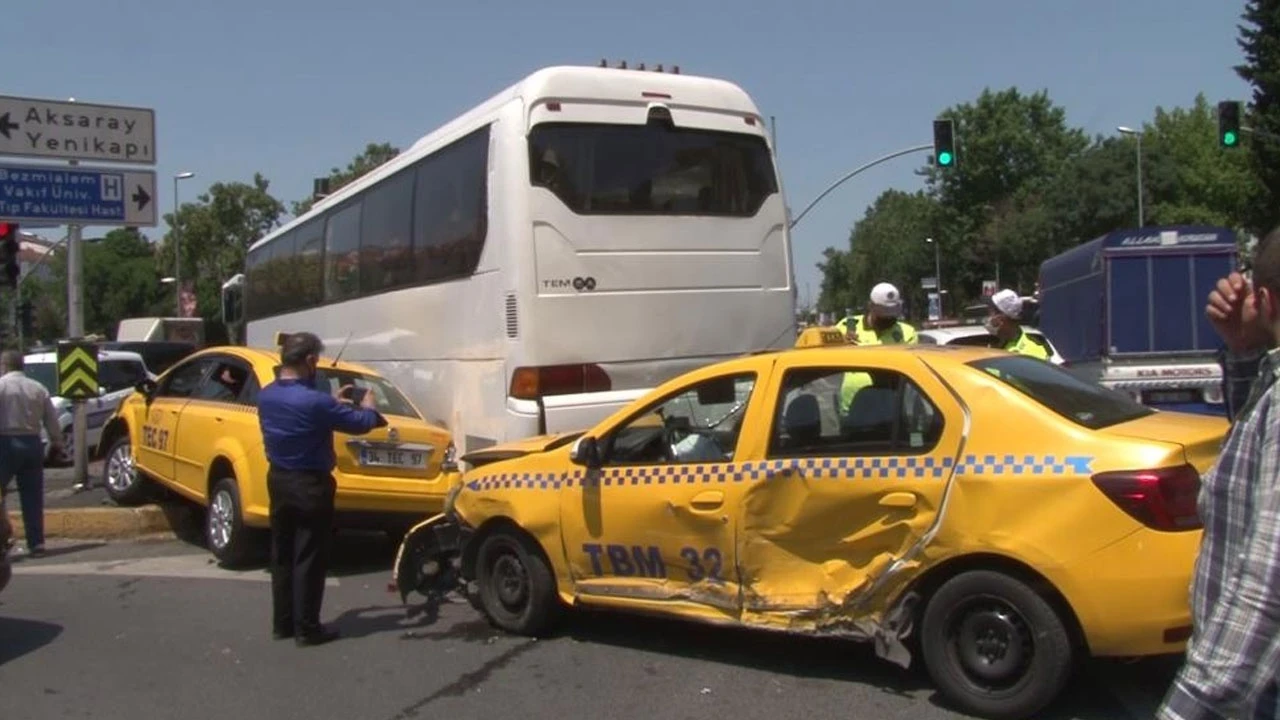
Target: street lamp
point(937, 268)
point(1137, 135)
point(177, 245)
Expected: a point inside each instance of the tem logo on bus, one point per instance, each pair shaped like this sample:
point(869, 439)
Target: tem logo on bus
point(578, 283)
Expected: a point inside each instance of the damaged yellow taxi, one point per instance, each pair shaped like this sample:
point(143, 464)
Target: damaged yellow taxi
point(986, 512)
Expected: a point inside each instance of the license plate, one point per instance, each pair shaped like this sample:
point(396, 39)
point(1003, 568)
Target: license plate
point(389, 457)
point(1171, 397)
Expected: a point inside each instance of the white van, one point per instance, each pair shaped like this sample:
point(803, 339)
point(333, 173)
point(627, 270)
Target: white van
point(118, 373)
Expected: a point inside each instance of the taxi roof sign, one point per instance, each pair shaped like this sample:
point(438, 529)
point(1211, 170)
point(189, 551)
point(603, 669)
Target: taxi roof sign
point(820, 337)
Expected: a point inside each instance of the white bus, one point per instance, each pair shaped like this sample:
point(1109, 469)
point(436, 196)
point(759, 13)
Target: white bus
point(546, 257)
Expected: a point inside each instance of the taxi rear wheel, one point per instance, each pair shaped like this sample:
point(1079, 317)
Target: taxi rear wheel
point(230, 541)
point(995, 646)
point(516, 586)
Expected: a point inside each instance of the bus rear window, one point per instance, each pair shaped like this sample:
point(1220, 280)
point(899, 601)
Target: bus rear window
point(1084, 403)
point(654, 169)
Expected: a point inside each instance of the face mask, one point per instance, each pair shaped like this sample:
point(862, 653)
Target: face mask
point(991, 325)
point(882, 323)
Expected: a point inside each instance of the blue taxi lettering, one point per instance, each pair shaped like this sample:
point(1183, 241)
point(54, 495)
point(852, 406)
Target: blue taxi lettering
point(706, 565)
point(647, 562)
point(154, 437)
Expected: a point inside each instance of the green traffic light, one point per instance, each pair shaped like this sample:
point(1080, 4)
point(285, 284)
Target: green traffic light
point(944, 158)
point(1228, 138)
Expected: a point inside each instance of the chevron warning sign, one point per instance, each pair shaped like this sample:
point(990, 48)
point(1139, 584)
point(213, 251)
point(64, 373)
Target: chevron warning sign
point(77, 370)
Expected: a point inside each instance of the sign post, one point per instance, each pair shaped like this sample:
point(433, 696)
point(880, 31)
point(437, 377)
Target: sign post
point(72, 131)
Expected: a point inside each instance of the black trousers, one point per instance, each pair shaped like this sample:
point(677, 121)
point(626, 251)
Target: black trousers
point(301, 534)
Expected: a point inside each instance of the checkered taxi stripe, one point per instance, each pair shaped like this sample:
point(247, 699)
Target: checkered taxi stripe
point(883, 468)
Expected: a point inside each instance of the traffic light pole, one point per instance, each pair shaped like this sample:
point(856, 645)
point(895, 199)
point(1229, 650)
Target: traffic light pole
point(1260, 133)
point(868, 166)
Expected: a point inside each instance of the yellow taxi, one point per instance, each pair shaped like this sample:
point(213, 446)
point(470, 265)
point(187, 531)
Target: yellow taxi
point(987, 511)
point(194, 431)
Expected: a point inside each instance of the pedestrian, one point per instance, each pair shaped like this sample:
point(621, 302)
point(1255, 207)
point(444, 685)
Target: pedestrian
point(1233, 656)
point(1003, 322)
point(25, 407)
point(298, 421)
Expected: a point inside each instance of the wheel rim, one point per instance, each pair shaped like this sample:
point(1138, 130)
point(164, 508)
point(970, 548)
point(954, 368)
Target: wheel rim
point(991, 643)
point(121, 472)
point(221, 515)
point(509, 580)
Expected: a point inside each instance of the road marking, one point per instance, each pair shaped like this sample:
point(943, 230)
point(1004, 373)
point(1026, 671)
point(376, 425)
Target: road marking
point(187, 567)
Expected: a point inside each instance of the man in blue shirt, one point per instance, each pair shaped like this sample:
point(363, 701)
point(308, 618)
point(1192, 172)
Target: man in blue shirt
point(298, 422)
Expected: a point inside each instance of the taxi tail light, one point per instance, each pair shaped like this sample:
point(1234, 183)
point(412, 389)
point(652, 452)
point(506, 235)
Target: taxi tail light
point(1162, 499)
point(531, 383)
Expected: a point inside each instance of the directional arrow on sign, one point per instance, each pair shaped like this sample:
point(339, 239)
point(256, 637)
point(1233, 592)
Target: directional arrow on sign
point(6, 125)
point(79, 383)
point(78, 355)
point(141, 197)
point(77, 371)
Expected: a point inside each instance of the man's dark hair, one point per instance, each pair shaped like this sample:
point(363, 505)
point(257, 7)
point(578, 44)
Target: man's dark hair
point(11, 360)
point(298, 347)
point(1266, 263)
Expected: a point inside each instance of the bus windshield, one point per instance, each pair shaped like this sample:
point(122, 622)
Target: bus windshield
point(652, 169)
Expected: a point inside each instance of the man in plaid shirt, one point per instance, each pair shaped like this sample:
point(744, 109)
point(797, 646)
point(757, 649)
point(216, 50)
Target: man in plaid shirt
point(1233, 657)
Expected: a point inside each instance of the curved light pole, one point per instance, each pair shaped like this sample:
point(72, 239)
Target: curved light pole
point(841, 181)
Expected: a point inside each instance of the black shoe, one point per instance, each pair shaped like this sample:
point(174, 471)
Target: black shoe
point(319, 636)
point(281, 634)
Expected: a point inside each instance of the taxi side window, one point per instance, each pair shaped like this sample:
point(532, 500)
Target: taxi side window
point(699, 424)
point(888, 415)
point(230, 382)
point(184, 380)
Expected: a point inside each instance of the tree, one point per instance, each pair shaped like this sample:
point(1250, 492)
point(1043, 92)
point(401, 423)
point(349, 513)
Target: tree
point(1260, 41)
point(886, 245)
point(213, 234)
point(374, 155)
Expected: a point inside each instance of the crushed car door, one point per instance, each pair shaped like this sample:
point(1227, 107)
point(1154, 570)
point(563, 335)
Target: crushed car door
point(845, 495)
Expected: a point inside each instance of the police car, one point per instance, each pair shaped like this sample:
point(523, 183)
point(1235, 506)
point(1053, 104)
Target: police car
point(118, 373)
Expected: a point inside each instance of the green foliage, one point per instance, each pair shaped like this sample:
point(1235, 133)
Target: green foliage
point(374, 155)
point(1028, 186)
point(1260, 41)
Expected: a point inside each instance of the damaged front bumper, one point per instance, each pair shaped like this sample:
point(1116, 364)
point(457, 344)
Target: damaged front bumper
point(429, 560)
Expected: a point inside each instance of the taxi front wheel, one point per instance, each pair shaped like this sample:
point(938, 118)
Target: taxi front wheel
point(516, 586)
point(995, 646)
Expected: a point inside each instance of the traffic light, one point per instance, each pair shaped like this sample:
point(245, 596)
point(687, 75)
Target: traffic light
point(26, 318)
point(944, 143)
point(1228, 123)
point(9, 252)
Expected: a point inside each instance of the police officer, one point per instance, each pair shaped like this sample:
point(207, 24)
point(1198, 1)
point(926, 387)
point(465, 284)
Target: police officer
point(298, 421)
point(1002, 322)
point(882, 324)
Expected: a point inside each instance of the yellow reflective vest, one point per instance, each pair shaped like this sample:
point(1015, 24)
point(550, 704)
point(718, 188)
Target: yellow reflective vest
point(1024, 344)
point(896, 334)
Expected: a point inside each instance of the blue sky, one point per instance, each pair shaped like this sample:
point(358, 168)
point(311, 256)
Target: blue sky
point(292, 88)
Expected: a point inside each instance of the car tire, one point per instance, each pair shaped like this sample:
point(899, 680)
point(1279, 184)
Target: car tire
point(516, 586)
point(994, 646)
point(225, 534)
point(124, 484)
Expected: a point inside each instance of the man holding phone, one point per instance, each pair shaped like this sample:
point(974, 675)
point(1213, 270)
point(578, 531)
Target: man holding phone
point(298, 421)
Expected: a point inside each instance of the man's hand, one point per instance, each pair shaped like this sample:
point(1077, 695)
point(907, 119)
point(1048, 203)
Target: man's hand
point(1233, 310)
point(343, 393)
point(369, 402)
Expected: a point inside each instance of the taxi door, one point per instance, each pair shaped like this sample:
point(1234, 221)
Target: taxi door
point(843, 496)
point(655, 522)
point(215, 409)
point(156, 436)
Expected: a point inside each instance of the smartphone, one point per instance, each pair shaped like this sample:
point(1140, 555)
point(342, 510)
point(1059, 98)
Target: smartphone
point(357, 394)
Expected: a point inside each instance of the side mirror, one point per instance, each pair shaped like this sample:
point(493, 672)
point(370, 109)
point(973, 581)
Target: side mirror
point(146, 387)
point(586, 452)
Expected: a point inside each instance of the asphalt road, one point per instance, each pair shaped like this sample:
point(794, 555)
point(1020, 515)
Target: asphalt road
point(148, 630)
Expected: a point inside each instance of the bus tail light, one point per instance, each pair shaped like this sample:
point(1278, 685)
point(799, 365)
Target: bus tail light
point(531, 383)
point(1162, 499)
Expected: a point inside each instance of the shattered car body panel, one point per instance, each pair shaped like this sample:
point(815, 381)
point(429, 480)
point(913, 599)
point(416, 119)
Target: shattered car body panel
point(754, 499)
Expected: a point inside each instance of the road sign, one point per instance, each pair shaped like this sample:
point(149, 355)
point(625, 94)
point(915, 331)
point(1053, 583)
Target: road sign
point(77, 131)
point(77, 370)
point(77, 195)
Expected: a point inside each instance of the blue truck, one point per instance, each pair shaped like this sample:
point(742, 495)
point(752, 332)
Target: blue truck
point(1126, 310)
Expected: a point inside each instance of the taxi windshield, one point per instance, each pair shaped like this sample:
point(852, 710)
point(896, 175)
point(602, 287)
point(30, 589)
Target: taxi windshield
point(389, 400)
point(1084, 403)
